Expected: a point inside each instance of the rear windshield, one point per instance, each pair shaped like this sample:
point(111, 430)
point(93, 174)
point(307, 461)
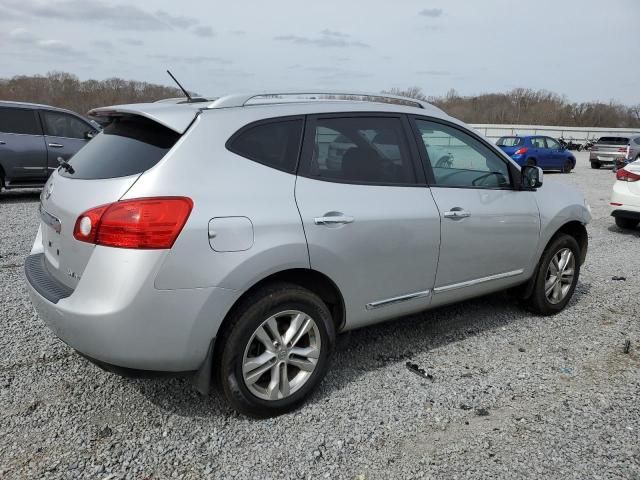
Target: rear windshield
point(127, 146)
point(509, 141)
point(613, 141)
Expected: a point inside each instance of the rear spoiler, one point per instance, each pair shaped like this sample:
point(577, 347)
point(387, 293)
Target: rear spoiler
point(176, 117)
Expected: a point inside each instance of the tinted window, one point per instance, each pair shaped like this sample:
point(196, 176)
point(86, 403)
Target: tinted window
point(459, 160)
point(637, 140)
point(509, 141)
point(613, 141)
point(275, 144)
point(58, 124)
point(126, 146)
point(360, 150)
point(17, 120)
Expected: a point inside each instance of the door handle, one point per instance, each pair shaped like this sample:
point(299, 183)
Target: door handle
point(456, 213)
point(2, 142)
point(56, 145)
point(333, 220)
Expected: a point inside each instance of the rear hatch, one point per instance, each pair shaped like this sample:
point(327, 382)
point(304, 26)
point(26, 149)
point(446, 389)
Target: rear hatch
point(102, 172)
point(509, 145)
point(611, 147)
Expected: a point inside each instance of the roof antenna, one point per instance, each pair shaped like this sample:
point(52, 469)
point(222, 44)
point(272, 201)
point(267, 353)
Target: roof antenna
point(189, 99)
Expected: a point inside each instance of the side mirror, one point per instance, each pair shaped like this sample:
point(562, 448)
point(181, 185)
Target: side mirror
point(89, 134)
point(531, 177)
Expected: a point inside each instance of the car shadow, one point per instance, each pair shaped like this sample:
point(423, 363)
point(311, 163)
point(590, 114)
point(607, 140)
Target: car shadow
point(365, 350)
point(624, 231)
point(19, 196)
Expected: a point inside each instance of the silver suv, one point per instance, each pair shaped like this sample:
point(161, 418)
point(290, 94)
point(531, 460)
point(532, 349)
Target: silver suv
point(218, 238)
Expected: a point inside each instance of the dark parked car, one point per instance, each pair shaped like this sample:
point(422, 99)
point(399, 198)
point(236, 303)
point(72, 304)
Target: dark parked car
point(33, 137)
point(543, 152)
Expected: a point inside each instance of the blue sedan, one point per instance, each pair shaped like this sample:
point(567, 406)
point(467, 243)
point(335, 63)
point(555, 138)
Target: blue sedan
point(544, 152)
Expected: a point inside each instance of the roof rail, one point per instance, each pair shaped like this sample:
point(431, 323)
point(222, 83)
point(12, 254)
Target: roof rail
point(241, 100)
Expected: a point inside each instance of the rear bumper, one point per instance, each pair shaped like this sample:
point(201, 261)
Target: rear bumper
point(630, 214)
point(116, 316)
point(607, 159)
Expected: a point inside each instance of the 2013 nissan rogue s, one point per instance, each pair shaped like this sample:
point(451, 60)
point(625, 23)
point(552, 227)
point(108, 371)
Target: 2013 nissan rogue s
point(217, 237)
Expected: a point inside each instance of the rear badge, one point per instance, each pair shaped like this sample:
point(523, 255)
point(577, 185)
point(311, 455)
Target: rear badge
point(73, 274)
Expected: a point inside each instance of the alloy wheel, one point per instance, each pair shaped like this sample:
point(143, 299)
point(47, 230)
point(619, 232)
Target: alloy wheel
point(559, 276)
point(281, 355)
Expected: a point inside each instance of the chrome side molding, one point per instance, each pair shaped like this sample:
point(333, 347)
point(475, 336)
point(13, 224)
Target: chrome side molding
point(394, 300)
point(475, 281)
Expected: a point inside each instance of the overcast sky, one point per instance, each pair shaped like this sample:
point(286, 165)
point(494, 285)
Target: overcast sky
point(585, 49)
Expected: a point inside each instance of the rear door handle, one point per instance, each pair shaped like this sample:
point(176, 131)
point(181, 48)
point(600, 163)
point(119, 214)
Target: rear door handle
point(333, 220)
point(56, 145)
point(456, 213)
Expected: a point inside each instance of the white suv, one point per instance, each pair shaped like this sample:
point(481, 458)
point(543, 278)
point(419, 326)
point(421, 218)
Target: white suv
point(217, 237)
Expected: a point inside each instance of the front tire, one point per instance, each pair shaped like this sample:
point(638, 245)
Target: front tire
point(626, 223)
point(556, 276)
point(596, 165)
point(567, 167)
point(276, 350)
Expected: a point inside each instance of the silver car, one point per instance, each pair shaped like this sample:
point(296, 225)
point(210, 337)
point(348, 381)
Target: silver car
point(215, 238)
point(616, 151)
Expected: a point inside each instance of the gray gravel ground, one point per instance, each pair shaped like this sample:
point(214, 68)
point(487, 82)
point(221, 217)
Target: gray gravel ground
point(512, 395)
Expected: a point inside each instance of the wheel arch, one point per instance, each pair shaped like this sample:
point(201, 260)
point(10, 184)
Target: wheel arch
point(312, 280)
point(573, 228)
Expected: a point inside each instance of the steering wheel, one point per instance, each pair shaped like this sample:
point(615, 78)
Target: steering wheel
point(481, 180)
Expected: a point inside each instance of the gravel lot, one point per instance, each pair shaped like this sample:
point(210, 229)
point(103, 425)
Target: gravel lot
point(511, 395)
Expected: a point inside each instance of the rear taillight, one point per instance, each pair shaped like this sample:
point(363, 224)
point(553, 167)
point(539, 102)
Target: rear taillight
point(627, 176)
point(145, 223)
point(521, 151)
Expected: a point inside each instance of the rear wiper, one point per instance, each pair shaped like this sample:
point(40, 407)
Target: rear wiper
point(66, 166)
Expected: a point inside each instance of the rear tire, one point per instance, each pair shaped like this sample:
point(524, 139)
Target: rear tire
point(626, 223)
point(555, 279)
point(250, 345)
point(596, 165)
point(532, 162)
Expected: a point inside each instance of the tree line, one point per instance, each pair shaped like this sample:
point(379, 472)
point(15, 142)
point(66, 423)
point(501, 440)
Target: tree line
point(519, 106)
point(522, 106)
point(65, 90)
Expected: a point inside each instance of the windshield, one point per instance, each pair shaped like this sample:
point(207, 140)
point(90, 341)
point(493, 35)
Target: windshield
point(509, 141)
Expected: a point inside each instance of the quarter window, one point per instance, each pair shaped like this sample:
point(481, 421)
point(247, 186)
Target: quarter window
point(371, 150)
point(58, 124)
point(18, 120)
point(275, 144)
point(459, 160)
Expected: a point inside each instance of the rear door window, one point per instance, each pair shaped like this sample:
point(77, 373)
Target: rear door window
point(274, 143)
point(127, 146)
point(359, 150)
point(58, 124)
point(19, 120)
